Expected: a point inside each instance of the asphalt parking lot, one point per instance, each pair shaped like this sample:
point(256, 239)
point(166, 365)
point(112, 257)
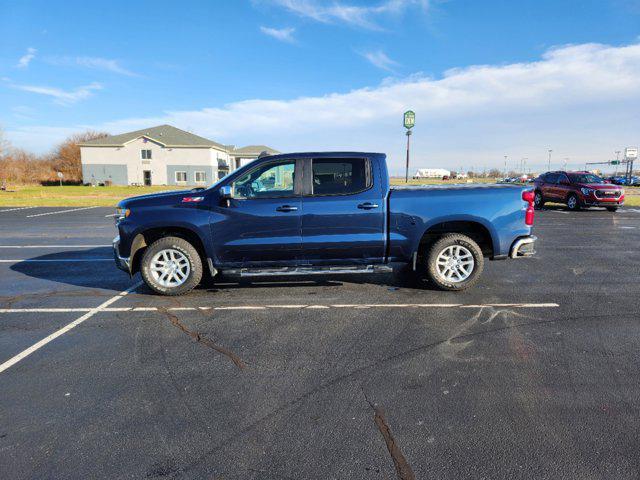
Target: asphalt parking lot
point(532, 374)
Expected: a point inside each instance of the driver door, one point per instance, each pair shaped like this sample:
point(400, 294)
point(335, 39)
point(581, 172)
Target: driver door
point(261, 224)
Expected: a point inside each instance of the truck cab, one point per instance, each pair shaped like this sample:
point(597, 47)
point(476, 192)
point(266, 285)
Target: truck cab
point(303, 214)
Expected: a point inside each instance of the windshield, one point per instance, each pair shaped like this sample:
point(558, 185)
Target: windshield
point(584, 178)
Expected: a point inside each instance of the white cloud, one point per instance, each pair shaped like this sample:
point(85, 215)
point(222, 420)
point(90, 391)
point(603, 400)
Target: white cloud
point(380, 59)
point(335, 11)
point(94, 63)
point(25, 60)
point(60, 96)
point(282, 34)
point(581, 100)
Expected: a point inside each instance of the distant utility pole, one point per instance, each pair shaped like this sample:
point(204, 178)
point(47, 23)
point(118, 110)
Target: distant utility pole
point(549, 164)
point(523, 162)
point(566, 160)
point(409, 122)
point(505, 167)
point(615, 174)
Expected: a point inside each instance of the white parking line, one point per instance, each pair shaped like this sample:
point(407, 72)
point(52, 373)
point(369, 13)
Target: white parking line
point(14, 209)
point(288, 307)
point(60, 211)
point(45, 260)
point(36, 346)
point(54, 246)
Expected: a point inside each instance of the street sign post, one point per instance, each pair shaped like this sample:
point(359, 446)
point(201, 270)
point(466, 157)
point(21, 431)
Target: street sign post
point(60, 176)
point(409, 123)
point(630, 155)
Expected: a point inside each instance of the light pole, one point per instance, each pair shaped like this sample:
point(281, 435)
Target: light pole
point(615, 173)
point(409, 122)
point(566, 159)
point(505, 166)
point(549, 164)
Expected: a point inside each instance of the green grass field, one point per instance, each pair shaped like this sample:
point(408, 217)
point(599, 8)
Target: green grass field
point(71, 196)
point(80, 196)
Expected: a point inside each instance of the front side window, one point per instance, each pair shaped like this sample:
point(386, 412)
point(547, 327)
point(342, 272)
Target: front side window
point(585, 178)
point(340, 176)
point(201, 177)
point(181, 177)
point(265, 181)
point(145, 154)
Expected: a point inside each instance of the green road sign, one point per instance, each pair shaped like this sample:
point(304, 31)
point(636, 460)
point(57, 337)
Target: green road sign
point(615, 162)
point(409, 119)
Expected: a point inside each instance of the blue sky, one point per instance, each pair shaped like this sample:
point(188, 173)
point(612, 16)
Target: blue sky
point(486, 78)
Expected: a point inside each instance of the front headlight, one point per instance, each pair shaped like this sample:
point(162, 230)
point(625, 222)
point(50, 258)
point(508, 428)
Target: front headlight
point(621, 191)
point(586, 191)
point(121, 214)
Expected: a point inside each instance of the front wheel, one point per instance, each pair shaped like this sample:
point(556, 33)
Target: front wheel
point(171, 266)
point(573, 203)
point(455, 262)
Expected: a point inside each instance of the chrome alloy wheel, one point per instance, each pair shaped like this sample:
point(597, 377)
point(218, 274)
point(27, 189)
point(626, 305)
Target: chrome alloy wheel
point(572, 202)
point(170, 268)
point(455, 263)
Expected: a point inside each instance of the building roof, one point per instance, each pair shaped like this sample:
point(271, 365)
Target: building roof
point(252, 150)
point(164, 134)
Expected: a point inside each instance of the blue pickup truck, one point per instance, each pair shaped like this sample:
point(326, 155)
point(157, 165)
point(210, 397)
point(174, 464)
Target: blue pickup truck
point(320, 213)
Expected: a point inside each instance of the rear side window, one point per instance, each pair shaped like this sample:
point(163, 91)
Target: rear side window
point(552, 178)
point(340, 176)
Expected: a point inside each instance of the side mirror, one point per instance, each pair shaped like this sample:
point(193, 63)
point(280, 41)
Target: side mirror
point(225, 191)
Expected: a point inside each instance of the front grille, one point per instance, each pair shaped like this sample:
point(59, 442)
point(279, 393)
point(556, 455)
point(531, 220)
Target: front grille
point(607, 193)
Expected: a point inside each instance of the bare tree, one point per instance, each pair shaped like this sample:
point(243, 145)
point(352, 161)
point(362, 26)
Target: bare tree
point(5, 146)
point(66, 157)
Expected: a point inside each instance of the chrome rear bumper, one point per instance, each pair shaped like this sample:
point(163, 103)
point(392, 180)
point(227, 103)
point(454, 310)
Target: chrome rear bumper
point(523, 247)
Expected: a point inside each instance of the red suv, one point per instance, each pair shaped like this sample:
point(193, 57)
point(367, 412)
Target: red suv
point(577, 190)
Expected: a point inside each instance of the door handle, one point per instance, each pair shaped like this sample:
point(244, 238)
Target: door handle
point(286, 208)
point(368, 206)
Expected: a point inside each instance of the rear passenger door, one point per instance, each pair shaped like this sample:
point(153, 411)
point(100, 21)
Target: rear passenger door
point(343, 212)
point(549, 189)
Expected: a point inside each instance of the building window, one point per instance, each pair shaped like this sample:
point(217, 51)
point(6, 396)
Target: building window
point(201, 177)
point(145, 154)
point(181, 177)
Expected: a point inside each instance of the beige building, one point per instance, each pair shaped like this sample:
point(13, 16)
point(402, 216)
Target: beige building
point(162, 155)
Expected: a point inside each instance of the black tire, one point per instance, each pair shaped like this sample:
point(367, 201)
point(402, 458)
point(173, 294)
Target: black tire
point(612, 209)
point(182, 246)
point(573, 202)
point(538, 199)
point(448, 240)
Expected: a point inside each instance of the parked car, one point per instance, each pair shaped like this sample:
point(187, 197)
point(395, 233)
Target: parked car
point(324, 213)
point(577, 190)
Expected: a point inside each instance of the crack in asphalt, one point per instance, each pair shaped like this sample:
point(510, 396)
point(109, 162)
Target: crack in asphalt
point(375, 364)
point(403, 469)
point(197, 336)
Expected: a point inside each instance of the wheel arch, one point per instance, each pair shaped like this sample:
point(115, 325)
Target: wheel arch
point(146, 237)
point(473, 228)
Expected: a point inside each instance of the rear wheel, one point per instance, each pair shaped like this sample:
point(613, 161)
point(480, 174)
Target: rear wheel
point(573, 203)
point(171, 266)
point(538, 199)
point(612, 209)
point(455, 262)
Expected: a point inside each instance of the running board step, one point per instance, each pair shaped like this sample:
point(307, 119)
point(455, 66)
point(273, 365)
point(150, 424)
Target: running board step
point(335, 270)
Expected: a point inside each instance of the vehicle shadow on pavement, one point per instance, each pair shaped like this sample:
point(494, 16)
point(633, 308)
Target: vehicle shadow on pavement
point(92, 268)
point(563, 208)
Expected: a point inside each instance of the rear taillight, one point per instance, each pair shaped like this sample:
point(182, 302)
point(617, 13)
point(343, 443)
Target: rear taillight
point(529, 197)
